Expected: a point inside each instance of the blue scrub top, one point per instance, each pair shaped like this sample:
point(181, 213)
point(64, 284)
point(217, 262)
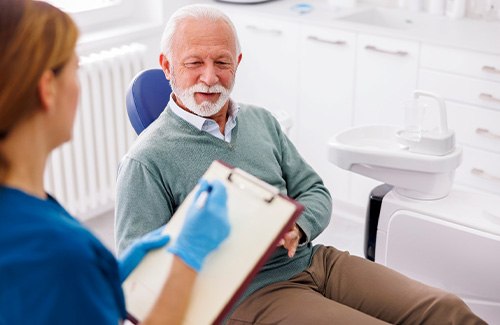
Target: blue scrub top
point(53, 270)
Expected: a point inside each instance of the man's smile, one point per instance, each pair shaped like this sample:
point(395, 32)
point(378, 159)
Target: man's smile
point(203, 97)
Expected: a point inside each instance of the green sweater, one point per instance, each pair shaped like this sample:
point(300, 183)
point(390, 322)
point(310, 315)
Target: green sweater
point(169, 157)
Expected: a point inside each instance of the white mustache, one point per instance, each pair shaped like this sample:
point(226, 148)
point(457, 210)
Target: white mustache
point(202, 88)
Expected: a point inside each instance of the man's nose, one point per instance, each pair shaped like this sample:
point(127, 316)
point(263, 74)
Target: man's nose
point(209, 75)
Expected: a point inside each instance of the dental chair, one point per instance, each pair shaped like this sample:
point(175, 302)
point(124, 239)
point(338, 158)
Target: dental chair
point(147, 96)
point(149, 93)
point(420, 222)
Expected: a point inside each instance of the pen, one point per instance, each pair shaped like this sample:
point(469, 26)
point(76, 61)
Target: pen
point(202, 198)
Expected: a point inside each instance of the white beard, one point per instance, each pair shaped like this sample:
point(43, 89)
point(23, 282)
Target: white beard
point(206, 108)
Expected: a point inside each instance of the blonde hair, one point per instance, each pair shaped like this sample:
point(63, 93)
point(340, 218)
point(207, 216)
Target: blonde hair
point(197, 11)
point(34, 37)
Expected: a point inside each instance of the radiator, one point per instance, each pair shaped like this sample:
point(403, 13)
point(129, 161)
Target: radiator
point(81, 174)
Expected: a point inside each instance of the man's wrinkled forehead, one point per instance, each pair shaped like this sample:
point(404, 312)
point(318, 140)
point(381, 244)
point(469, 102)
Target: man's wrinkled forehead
point(192, 32)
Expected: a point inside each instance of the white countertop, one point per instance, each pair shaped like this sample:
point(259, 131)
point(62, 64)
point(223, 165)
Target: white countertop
point(469, 34)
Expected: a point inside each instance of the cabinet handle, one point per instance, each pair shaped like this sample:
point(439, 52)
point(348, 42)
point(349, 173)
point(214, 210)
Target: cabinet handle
point(264, 30)
point(376, 49)
point(490, 69)
point(489, 97)
point(322, 40)
point(484, 175)
point(487, 133)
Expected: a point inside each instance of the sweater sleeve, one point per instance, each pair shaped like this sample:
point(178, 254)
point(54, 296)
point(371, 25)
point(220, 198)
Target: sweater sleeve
point(305, 186)
point(141, 202)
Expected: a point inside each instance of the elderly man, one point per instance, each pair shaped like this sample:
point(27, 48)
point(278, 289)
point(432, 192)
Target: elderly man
point(300, 283)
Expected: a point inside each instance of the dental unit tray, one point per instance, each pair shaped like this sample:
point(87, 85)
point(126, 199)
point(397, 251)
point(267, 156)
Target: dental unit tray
point(419, 163)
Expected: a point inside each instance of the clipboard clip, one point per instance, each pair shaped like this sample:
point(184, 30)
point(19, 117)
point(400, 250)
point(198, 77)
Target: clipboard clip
point(248, 182)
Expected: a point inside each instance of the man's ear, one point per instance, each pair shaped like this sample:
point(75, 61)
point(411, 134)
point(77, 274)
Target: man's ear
point(239, 59)
point(166, 66)
point(47, 90)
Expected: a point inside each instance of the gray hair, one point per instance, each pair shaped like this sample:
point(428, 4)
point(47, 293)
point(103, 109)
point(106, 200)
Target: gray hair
point(193, 11)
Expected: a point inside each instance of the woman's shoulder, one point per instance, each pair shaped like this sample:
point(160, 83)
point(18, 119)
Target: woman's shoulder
point(60, 263)
point(47, 232)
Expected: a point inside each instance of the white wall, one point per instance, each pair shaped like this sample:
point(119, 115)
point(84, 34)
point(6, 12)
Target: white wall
point(144, 25)
point(495, 4)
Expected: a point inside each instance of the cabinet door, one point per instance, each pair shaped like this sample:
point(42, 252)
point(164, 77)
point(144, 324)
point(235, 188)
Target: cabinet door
point(268, 73)
point(385, 78)
point(326, 83)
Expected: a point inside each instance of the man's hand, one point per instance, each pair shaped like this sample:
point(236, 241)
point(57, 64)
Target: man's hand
point(291, 240)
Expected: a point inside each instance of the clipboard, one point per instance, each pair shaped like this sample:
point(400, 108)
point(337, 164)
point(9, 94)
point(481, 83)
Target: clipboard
point(259, 216)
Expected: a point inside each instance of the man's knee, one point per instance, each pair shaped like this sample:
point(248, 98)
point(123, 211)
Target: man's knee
point(448, 308)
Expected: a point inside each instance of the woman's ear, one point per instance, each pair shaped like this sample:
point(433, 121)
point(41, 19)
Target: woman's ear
point(46, 90)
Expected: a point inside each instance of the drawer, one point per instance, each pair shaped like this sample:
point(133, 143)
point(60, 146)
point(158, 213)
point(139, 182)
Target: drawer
point(462, 89)
point(479, 169)
point(475, 126)
point(327, 37)
point(468, 63)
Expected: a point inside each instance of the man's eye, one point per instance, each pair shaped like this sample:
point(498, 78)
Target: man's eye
point(192, 64)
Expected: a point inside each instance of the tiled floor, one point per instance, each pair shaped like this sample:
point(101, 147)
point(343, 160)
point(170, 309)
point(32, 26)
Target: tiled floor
point(344, 232)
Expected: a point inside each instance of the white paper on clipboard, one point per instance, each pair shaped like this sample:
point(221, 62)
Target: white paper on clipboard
point(259, 217)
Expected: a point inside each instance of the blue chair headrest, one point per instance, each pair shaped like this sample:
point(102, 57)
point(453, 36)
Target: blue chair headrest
point(147, 96)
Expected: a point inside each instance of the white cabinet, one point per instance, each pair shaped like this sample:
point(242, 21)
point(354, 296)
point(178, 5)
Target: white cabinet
point(268, 74)
point(327, 58)
point(386, 76)
point(470, 84)
point(328, 80)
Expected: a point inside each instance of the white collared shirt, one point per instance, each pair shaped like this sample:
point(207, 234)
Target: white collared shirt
point(206, 124)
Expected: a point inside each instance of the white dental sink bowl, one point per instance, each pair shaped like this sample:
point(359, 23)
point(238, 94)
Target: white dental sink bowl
point(374, 151)
point(387, 18)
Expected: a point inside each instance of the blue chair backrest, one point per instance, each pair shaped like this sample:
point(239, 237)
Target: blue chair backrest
point(147, 96)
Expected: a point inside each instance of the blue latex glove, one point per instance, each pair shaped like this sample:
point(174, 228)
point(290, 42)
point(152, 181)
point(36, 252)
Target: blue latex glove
point(136, 252)
point(205, 227)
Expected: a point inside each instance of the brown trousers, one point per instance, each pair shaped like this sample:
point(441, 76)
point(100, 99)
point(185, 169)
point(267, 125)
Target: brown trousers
point(342, 289)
